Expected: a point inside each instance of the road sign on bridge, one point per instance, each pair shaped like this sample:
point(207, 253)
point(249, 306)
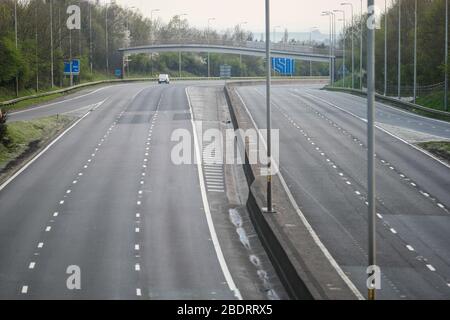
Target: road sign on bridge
point(284, 66)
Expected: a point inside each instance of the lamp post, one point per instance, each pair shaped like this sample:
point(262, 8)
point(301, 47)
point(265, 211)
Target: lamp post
point(385, 46)
point(151, 35)
point(311, 44)
point(343, 32)
point(415, 51)
point(361, 49)
point(209, 55)
point(106, 40)
point(399, 68)
point(371, 145)
point(268, 105)
point(240, 55)
point(327, 13)
point(353, 43)
point(51, 45)
point(17, 43)
point(446, 56)
point(179, 35)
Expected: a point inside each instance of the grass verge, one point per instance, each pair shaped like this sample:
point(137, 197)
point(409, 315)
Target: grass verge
point(24, 138)
point(441, 149)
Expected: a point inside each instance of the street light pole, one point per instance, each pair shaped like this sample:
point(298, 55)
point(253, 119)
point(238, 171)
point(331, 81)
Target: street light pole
point(51, 45)
point(343, 58)
point(107, 42)
point(326, 13)
point(240, 56)
point(361, 50)
point(90, 37)
point(353, 43)
point(311, 44)
point(446, 56)
point(17, 44)
point(399, 68)
point(385, 46)
point(179, 35)
point(371, 142)
point(415, 51)
point(209, 55)
point(151, 35)
point(268, 104)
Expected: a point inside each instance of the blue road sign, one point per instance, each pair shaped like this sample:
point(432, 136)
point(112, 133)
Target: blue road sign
point(283, 66)
point(118, 73)
point(75, 67)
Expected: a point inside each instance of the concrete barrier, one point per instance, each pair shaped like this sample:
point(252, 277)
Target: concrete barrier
point(304, 270)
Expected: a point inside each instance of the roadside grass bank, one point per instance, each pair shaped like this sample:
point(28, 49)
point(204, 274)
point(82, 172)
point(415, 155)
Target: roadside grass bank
point(441, 149)
point(23, 139)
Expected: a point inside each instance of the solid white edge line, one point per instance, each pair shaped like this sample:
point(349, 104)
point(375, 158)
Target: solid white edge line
point(310, 229)
point(59, 102)
point(212, 230)
point(379, 128)
point(29, 163)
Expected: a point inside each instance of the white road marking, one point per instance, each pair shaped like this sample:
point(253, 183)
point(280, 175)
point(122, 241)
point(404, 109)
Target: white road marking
point(379, 216)
point(61, 202)
point(138, 292)
point(29, 163)
point(56, 214)
point(138, 215)
point(440, 205)
point(32, 265)
point(429, 266)
point(137, 230)
point(47, 229)
point(410, 248)
point(24, 290)
point(136, 247)
point(137, 267)
point(393, 231)
point(40, 245)
point(308, 226)
point(214, 238)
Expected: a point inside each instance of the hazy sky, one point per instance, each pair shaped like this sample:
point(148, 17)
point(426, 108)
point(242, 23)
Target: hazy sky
point(296, 15)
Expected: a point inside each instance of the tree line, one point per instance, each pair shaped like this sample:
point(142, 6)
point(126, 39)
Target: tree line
point(431, 66)
point(97, 49)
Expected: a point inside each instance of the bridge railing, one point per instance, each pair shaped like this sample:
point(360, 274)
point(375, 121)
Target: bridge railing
point(246, 44)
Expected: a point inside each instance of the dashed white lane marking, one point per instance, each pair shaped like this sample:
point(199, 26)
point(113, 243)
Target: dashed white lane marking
point(379, 216)
point(56, 214)
point(40, 245)
point(410, 248)
point(137, 230)
point(440, 205)
point(393, 231)
point(32, 265)
point(138, 215)
point(138, 292)
point(137, 247)
point(431, 268)
point(305, 221)
point(47, 229)
point(61, 202)
point(24, 290)
point(137, 267)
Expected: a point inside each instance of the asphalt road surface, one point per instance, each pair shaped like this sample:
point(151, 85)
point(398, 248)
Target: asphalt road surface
point(323, 160)
point(107, 201)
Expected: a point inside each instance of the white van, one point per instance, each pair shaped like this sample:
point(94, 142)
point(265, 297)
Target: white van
point(163, 78)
